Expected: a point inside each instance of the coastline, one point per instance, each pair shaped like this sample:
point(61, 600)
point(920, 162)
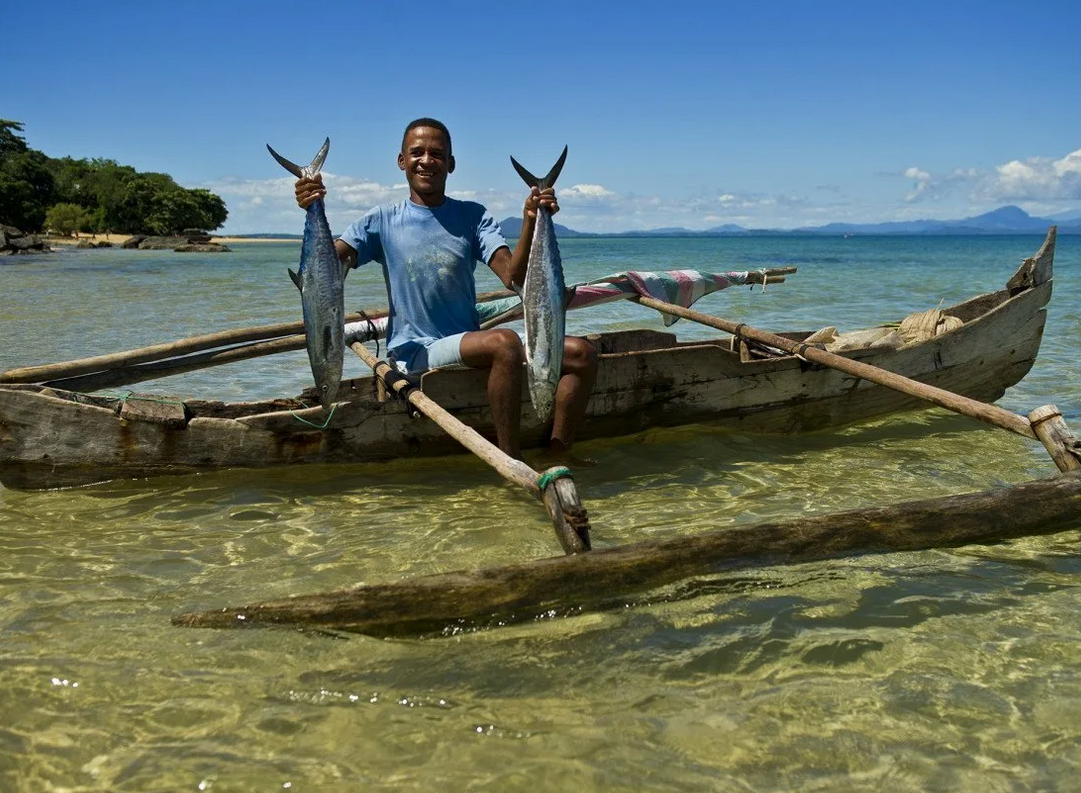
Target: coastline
point(119, 239)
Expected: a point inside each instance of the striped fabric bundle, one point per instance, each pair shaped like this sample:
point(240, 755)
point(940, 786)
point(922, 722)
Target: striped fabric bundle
point(681, 287)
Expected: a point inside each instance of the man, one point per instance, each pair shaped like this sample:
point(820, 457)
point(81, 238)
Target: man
point(428, 245)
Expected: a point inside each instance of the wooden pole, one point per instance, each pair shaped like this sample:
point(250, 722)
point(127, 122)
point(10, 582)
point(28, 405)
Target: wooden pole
point(155, 352)
point(129, 375)
point(991, 414)
point(606, 578)
point(771, 275)
point(1056, 437)
point(558, 493)
point(158, 352)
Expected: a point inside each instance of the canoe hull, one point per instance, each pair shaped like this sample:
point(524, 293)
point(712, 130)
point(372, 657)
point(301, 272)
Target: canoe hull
point(55, 438)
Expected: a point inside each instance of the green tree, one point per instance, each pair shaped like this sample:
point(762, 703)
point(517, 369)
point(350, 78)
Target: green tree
point(26, 186)
point(114, 197)
point(11, 142)
point(66, 219)
point(212, 209)
point(26, 189)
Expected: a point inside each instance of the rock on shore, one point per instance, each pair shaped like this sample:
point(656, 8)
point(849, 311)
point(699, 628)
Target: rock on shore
point(13, 242)
point(191, 241)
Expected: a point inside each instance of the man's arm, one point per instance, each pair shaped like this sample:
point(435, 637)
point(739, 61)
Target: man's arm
point(346, 254)
point(511, 267)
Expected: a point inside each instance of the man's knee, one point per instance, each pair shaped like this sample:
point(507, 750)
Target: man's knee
point(495, 347)
point(507, 346)
point(579, 355)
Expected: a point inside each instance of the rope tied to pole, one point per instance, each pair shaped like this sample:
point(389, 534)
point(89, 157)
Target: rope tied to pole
point(551, 475)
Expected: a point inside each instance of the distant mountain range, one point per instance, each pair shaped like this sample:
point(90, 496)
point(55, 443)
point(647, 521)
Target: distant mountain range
point(1005, 220)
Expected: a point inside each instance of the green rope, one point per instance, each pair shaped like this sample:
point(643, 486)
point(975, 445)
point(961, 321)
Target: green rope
point(322, 426)
point(551, 475)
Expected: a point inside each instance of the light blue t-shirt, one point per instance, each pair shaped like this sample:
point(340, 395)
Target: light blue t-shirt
point(429, 256)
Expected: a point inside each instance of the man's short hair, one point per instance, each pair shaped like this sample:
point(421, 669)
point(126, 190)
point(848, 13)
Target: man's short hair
point(427, 122)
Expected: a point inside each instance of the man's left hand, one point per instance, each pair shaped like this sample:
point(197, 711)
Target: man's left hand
point(540, 198)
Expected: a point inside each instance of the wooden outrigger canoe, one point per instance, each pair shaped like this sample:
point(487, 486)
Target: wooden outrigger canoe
point(52, 434)
point(634, 573)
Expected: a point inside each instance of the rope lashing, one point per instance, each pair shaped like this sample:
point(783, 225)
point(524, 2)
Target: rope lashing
point(551, 475)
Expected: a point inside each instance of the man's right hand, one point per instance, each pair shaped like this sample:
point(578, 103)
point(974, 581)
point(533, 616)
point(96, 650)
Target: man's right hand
point(309, 189)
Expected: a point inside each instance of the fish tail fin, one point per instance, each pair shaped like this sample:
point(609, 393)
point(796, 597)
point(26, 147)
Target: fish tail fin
point(314, 168)
point(292, 167)
point(320, 156)
point(296, 280)
point(547, 181)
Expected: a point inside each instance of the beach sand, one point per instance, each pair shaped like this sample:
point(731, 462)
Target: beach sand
point(54, 241)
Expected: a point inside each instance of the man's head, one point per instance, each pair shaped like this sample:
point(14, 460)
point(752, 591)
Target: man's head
point(426, 160)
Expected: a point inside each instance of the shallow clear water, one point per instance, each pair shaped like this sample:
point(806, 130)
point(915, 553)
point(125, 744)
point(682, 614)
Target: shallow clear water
point(940, 670)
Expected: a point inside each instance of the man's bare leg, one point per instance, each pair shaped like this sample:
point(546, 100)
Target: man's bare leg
point(573, 392)
point(500, 350)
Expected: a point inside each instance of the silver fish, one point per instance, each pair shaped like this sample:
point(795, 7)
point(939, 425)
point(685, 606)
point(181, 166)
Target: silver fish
point(321, 283)
point(543, 301)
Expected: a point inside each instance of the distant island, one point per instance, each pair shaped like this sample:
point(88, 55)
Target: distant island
point(1005, 220)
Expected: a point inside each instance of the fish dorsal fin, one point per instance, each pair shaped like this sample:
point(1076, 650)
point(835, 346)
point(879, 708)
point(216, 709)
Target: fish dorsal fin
point(547, 181)
point(296, 280)
point(312, 169)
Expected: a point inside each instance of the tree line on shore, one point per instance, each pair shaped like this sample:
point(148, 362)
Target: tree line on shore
point(65, 196)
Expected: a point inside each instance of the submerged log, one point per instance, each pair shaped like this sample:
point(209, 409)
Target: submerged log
point(596, 580)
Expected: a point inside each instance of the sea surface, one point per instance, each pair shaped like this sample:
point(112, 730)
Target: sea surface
point(947, 670)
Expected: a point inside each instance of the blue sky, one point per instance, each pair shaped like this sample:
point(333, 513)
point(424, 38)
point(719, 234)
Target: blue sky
point(764, 114)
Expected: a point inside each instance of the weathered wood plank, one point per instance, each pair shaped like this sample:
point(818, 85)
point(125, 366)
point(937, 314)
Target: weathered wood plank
point(524, 591)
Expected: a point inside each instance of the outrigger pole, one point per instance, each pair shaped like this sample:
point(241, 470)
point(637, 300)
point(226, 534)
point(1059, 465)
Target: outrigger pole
point(554, 487)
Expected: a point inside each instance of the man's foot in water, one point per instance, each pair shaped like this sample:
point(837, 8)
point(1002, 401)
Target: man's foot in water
point(558, 454)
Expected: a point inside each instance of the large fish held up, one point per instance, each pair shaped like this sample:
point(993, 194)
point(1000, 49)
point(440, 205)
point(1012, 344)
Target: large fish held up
point(543, 301)
point(321, 283)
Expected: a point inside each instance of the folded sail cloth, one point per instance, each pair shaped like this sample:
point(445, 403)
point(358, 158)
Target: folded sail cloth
point(681, 287)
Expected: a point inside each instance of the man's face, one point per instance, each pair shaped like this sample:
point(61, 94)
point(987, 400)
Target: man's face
point(426, 160)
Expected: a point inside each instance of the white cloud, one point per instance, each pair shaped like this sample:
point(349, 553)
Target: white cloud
point(1038, 178)
point(922, 184)
point(585, 192)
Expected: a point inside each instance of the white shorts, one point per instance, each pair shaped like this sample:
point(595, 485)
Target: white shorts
point(445, 353)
